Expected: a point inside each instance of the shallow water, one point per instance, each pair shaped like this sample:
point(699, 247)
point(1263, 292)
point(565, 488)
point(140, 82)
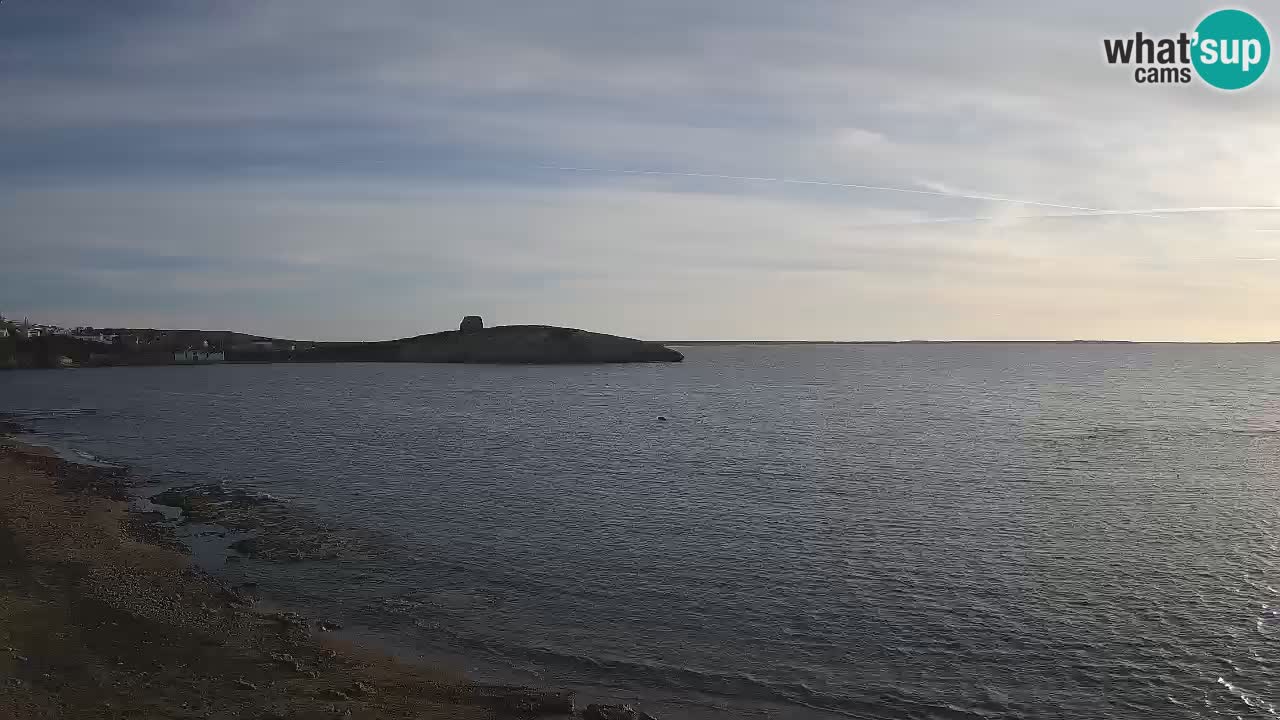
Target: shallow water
point(870, 531)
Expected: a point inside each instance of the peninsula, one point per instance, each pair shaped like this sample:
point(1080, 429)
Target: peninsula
point(471, 343)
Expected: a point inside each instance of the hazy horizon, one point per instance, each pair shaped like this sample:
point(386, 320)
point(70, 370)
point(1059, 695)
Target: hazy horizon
point(745, 171)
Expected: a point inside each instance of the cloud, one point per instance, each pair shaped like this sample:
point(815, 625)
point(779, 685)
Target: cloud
point(332, 170)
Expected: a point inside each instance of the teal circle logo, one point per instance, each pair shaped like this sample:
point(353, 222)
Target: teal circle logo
point(1231, 49)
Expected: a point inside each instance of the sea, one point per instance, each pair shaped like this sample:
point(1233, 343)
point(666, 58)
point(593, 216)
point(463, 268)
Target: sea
point(950, 531)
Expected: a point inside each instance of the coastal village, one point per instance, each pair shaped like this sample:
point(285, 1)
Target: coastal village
point(24, 344)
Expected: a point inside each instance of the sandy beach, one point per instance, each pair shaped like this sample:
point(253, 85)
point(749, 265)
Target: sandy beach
point(103, 615)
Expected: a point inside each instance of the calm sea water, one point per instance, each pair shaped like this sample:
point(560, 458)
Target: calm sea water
point(913, 531)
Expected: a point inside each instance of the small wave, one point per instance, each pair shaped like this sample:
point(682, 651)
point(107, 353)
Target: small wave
point(1246, 432)
point(46, 414)
point(1252, 700)
point(66, 452)
point(1268, 620)
point(688, 683)
point(1098, 433)
point(748, 686)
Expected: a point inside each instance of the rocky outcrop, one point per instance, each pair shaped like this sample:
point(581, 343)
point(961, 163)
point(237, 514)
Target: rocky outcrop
point(614, 712)
point(470, 323)
point(531, 344)
point(504, 344)
point(507, 701)
point(270, 530)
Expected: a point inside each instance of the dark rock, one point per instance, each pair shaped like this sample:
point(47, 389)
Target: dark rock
point(247, 546)
point(283, 658)
point(213, 503)
point(526, 702)
point(471, 322)
point(240, 595)
point(289, 661)
point(328, 626)
point(173, 498)
point(289, 618)
point(288, 545)
point(614, 712)
point(360, 689)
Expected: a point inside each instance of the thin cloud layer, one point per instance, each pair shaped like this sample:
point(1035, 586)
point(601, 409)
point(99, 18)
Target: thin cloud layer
point(331, 171)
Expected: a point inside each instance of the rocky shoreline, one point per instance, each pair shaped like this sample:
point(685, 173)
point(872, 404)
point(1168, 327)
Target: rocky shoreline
point(103, 614)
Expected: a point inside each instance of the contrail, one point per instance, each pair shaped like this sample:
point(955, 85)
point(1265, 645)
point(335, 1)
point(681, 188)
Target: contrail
point(823, 183)
point(1147, 212)
point(1079, 211)
point(1172, 211)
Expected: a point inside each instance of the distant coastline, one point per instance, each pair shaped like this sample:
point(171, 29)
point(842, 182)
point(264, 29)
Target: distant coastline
point(43, 346)
point(471, 343)
point(687, 343)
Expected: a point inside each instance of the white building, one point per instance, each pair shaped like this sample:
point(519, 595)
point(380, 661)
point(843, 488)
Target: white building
point(45, 331)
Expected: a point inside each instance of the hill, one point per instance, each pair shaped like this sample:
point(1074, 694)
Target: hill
point(504, 344)
point(542, 344)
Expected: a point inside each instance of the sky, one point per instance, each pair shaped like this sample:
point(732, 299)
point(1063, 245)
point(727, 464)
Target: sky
point(336, 170)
